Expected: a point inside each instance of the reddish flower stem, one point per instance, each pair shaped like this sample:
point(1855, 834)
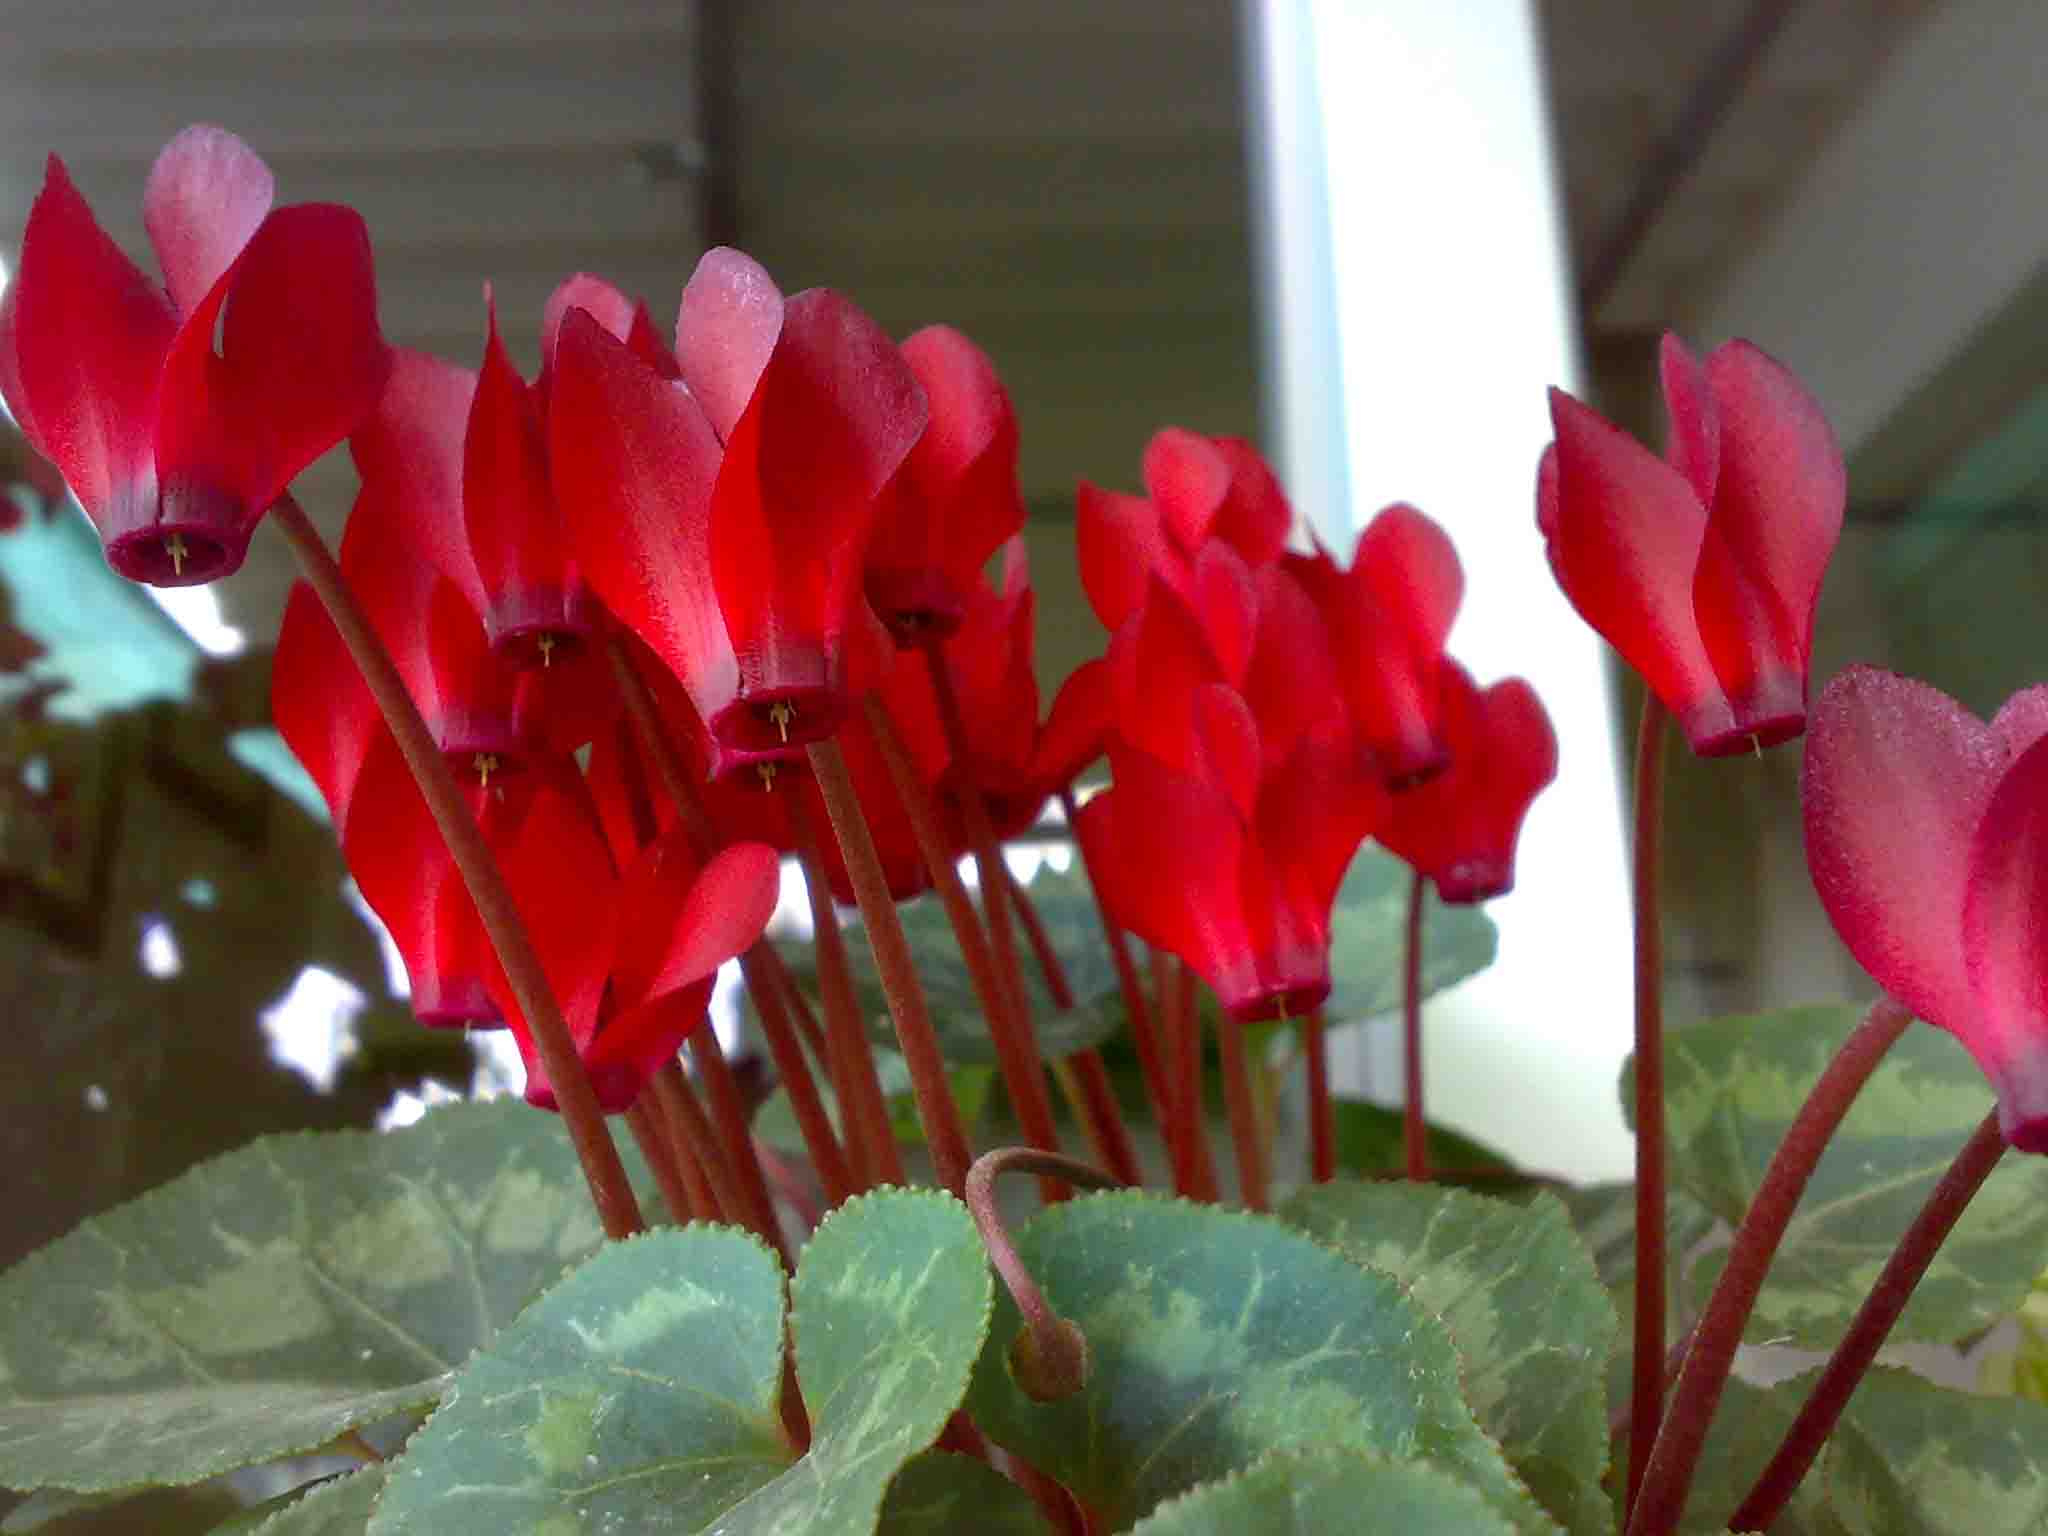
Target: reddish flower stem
point(1244, 1115)
point(729, 1115)
point(1194, 1118)
point(775, 973)
point(1009, 1026)
point(1103, 1116)
point(617, 1208)
point(1050, 1357)
point(1414, 1129)
point(1646, 1394)
point(767, 979)
point(936, 1111)
point(692, 1131)
point(1137, 1012)
point(1322, 1118)
point(1873, 1322)
point(788, 1182)
point(682, 1201)
point(870, 1139)
point(1675, 1455)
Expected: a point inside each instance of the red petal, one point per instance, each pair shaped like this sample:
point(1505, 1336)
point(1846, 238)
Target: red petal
point(319, 702)
point(293, 377)
point(1077, 730)
point(639, 1042)
point(414, 441)
point(1895, 781)
point(1255, 517)
point(1120, 545)
point(560, 874)
point(1695, 446)
point(89, 332)
point(684, 923)
point(535, 591)
point(1158, 660)
point(634, 462)
point(1624, 532)
point(1188, 478)
point(1406, 585)
point(205, 196)
point(608, 306)
point(834, 414)
point(1292, 682)
point(726, 329)
point(1229, 740)
point(1228, 604)
point(1775, 519)
point(2006, 949)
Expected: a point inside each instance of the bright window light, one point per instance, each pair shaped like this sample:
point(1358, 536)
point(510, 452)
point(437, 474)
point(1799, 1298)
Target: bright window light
point(396, 979)
point(196, 611)
point(312, 1028)
point(159, 950)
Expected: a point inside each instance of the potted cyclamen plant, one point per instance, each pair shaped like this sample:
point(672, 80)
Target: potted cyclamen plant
point(602, 647)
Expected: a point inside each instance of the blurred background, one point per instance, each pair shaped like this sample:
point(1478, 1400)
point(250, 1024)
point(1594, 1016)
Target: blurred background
point(1366, 232)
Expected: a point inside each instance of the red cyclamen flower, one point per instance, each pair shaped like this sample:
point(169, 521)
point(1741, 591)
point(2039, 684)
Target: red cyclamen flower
point(174, 449)
point(1927, 838)
point(724, 517)
point(1460, 828)
point(1703, 571)
point(955, 500)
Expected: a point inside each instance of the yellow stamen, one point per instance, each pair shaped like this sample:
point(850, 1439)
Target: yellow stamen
point(1756, 745)
point(174, 546)
point(767, 772)
point(547, 649)
point(485, 764)
point(782, 712)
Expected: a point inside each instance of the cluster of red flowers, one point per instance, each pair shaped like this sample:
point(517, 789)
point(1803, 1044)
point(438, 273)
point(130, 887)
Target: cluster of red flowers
point(779, 524)
point(782, 526)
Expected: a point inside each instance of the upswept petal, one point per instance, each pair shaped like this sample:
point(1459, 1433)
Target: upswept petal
point(1695, 446)
point(1255, 517)
point(612, 309)
point(204, 198)
point(1188, 479)
point(1292, 682)
point(1894, 783)
point(1158, 660)
point(292, 377)
point(1771, 530)
point(1120, 546)
point(727, 327)
point(2005, 942)
point(634, 462)
point(89, 334)
point(1077, 729)
point(1624, 532)
point(833, 415)
point(414, 439)
point(684, 920)
point(1405, 586)
point(537, 605)
point(1228, 604)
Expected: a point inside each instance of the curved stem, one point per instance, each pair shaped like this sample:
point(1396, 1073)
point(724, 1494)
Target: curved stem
point(729, 1115)
point(1050, 1357)
point(1414, 1129)
point(870, 1140)
point(1647, 1361)
point(1873, 1321)
point(766, 980)
point(617, 1208)
point(1100, 1111)
point(1675, 1455)
point(936, 1111)
point(691, 1127)
point(1009, 1026)
point(1322, 1118)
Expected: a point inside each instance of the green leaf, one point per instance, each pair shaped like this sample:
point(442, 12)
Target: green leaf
point(1312, 1493)
point(941, 1494)
point(1908, 1459)
point(1369, 1141)
point(1369, 929)
point(192, 1511)
point(272, 1298)
point(1216, 1336)
point(1732, 1087)
point(1525, 1307)
point(338, 1507)
point(1605, 1216)
point(641, 1393)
